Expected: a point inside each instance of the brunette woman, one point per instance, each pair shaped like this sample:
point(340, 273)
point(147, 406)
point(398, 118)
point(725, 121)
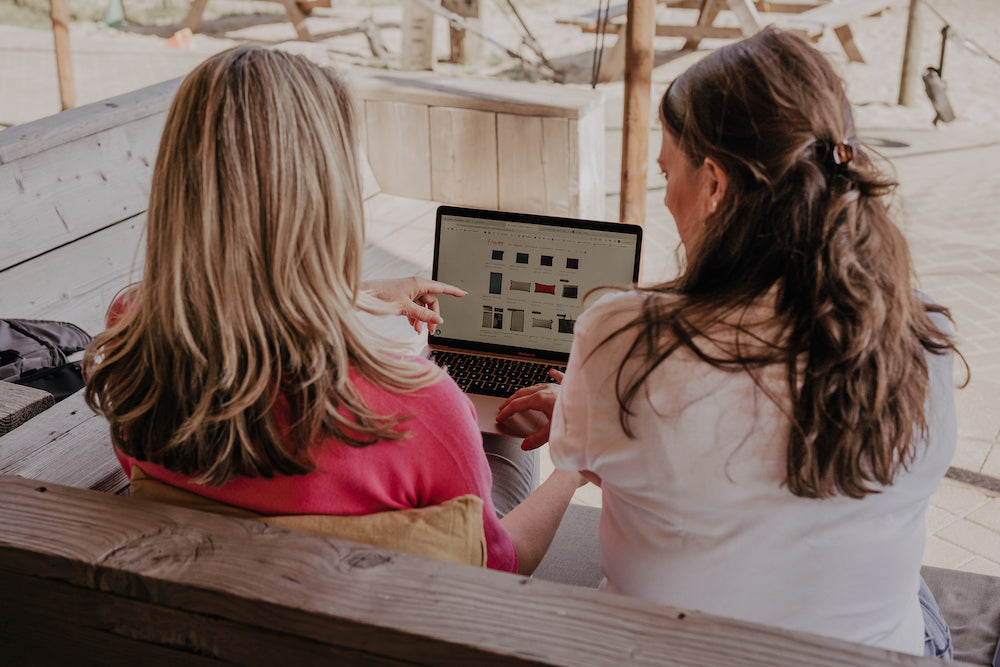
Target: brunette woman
point(767, 427)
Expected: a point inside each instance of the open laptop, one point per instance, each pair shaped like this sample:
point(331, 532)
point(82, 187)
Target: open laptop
point(526, 276)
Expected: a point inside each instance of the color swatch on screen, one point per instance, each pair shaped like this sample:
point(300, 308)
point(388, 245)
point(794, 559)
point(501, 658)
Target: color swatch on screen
point(520, 286)
point(516, 319)
point(541, 288)
point(496, 283)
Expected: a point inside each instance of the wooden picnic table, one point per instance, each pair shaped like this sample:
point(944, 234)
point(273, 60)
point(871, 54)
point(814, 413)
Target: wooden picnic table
point(633, 53)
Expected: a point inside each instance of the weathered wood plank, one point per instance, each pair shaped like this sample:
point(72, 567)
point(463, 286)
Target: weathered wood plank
point(57, 623)
point(692, 32)
point(185, 566)
point(75, 189)
point(40, 135)
point(464, 157)
point(18, 404)
point(532, 164)
point(746, 15)
point(477, 94)
point(77, 282)
point(838, 13)
point(398, 147)
point(67, 444)
point(587, 175)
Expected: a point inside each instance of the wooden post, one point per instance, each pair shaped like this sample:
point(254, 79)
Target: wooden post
point(64, 59)
point(466, 48)
point(909, 79)
point(417, 52)
point(639, 29)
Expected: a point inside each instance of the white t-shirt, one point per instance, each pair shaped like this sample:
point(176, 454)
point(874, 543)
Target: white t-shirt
point(695, 514)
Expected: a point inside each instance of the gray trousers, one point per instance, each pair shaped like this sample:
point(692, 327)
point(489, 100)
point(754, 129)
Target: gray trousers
point(515, 471)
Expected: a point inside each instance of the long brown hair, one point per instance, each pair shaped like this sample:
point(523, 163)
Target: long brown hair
point(801, 226)
point(255, 234)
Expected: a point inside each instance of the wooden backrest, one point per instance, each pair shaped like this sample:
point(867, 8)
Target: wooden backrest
point(88, 573)
point(74, 188)
point(104, 578)
point(485, 143)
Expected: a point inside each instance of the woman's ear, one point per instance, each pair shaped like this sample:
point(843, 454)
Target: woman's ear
point(716, 180)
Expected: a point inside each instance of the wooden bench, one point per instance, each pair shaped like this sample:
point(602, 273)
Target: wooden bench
point(88, 573)
point(112, 579)
point(812, 18)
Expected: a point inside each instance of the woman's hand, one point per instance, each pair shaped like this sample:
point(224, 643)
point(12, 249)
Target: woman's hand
point(416, 298)
point(541, 397)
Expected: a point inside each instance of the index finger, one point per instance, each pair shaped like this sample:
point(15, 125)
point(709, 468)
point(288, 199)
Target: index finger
point(428, 286)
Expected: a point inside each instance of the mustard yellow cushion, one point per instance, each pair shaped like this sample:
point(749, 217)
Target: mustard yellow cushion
point(452, 531)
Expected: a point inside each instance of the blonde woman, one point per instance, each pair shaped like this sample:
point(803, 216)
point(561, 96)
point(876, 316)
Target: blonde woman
point(238, 368)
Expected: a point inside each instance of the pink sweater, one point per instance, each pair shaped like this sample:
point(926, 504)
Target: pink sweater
point(443, 458)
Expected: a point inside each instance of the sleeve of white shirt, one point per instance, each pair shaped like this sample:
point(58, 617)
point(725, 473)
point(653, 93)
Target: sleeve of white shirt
point(586, 413)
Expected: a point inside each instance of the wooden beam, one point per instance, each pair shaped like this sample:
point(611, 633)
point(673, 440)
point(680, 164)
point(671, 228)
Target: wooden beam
point(68, 445)
point(64, 59)
point(746, 16)
point(909, 78)
point(123, 579)
point(694, 33)
point(639, 31)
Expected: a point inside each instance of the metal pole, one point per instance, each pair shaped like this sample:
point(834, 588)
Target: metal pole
point(639, 29)
point(910, 84)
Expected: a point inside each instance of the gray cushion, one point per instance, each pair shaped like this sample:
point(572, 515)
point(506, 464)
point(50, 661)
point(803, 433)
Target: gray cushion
point(575, 555)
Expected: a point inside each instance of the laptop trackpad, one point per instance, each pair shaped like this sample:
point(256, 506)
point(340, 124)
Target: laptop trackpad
point(520, 425)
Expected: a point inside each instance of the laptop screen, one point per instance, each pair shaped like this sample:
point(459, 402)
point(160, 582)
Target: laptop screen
point(526, 276)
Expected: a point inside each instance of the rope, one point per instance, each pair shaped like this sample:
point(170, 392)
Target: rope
point(599, 35)
point(967, 42)
point(529, 39)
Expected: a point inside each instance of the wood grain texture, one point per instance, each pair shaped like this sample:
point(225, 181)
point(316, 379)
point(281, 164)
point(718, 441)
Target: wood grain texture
point(18, 404)
point(77, 188)
point(67, 444)
point(533, 159)
point(61, 128)
point(635, 126)
point(398, 147)
point(464, 157)
point(77, 282)
point(478, 94)
point(232, 589)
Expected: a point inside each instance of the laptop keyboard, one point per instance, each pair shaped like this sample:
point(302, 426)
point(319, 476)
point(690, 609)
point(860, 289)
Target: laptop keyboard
point(492, 376)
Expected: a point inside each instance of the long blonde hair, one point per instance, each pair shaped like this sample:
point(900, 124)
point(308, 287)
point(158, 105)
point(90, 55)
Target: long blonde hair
point(255, 235)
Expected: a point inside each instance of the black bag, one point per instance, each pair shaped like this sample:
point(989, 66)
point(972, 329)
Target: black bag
point(35, 353)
